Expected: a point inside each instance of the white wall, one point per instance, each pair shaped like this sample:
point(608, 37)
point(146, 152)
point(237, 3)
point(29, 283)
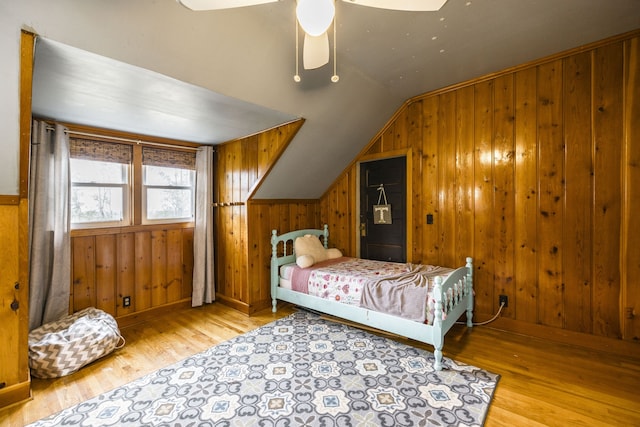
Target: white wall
point(10, 105)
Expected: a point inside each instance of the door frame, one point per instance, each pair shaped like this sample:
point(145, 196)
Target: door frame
point(408, 154)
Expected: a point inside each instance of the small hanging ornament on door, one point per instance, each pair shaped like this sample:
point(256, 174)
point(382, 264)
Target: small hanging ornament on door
point(382, 213)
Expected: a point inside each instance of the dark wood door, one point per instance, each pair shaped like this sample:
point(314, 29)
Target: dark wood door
point(382, 239)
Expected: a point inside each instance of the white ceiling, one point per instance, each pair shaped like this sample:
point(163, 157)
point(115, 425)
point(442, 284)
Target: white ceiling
point(248, 54)
point(76, 86)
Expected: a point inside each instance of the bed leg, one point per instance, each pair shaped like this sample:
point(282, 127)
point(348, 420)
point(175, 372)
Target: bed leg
point(437, 364)
point(274, 304)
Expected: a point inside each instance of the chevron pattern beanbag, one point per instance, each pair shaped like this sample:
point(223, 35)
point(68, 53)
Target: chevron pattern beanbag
point(62, 347)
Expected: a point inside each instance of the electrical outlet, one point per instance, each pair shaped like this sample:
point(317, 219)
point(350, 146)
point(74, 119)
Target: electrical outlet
point(503, 299)
point(126, 301)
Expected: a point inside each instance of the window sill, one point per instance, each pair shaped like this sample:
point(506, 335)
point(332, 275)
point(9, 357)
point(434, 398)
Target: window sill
point(79, 232)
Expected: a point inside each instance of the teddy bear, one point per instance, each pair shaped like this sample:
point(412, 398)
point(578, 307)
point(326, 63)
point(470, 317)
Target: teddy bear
point(309, 250)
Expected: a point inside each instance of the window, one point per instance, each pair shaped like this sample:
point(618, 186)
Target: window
point(100, 189)
point(99, 192)
point(168, 193)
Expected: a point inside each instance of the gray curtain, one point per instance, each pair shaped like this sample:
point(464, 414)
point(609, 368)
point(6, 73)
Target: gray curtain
point(203, 280)
point(49, 225)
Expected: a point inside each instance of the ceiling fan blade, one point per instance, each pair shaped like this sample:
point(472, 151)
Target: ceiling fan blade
point(407, 5)
point(315, 51)
point(220, 4)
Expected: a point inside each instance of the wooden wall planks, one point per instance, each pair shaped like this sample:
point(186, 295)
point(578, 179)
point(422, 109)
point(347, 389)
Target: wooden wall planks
point(534, 173)
point(126, 275)
point(153, 267)
point(525, 197)
point(105, 273)
point(503, 188)
point(428, 252)
point(83, 271)
point(142, 294)
point(265, 216)
point(608, 143)
point(483, 231)
point(630, 312)
point(550, 193)
point(579, 189)
point(242, 232)
point(14, 301)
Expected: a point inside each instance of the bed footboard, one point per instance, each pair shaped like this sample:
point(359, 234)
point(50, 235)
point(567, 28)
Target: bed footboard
point(453, 297)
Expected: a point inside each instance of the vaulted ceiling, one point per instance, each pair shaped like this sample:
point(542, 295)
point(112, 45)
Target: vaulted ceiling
point(156, 68)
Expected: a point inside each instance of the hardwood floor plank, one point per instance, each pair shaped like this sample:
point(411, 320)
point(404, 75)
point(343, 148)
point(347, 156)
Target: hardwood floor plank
point(569, 385)
point(501, 417)
point(543, 383)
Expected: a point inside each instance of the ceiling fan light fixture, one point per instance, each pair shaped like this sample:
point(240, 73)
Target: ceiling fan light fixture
point(315, 16)
point(316, 51)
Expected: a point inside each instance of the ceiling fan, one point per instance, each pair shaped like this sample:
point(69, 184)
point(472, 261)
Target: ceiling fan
point(315, 18)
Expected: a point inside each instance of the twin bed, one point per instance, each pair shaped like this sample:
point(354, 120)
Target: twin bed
point(414, 301)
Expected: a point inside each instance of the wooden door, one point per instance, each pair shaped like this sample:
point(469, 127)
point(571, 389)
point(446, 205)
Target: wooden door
point(381, 239)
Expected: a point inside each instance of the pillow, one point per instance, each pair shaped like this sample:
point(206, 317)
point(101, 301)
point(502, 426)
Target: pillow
point(309, 250)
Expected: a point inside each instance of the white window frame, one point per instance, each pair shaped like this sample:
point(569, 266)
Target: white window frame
point(126, 200)
point(145, 187)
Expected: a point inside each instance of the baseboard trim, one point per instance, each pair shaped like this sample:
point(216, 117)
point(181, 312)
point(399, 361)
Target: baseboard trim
point(15, 394)
point(240, 306)
point(143, 316)
point(610, 345)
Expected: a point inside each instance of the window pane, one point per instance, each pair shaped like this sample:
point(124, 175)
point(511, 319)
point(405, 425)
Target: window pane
point(163, 176)
point(96, 204)
point(165, 203)
point(89, 171)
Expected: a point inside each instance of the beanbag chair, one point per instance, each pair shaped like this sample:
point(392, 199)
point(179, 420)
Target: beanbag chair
point(62, 347)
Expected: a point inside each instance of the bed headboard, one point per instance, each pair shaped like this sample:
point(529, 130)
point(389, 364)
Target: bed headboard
point(287, 254)
point(284, 254)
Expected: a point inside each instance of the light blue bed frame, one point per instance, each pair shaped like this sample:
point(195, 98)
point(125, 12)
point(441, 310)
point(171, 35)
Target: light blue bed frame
point(461, 278)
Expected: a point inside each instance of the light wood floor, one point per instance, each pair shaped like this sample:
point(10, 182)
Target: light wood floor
point(542, 383)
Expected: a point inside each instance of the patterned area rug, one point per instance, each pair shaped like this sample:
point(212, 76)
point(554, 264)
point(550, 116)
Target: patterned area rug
point(301, 370)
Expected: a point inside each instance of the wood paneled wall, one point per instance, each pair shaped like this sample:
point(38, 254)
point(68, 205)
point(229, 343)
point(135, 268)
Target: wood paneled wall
point(240, 167)
point(14, 303)
point(265, 216)
point(15, 380)
point(152, 265)
point(535, 172)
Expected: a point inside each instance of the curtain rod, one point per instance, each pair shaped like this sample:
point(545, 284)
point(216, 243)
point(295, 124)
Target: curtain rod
point(116, 138)
point(135, 141)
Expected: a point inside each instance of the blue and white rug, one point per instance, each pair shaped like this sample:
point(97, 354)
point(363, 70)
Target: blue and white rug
point(301, 370)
